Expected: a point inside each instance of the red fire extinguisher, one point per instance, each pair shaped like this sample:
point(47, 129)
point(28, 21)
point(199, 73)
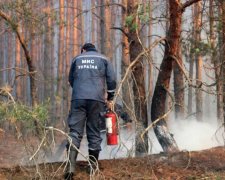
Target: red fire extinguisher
point(111, 128)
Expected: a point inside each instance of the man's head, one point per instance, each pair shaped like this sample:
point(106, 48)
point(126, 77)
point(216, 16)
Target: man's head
point(88, 47)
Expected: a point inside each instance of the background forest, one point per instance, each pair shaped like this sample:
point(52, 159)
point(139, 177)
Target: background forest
point(168, 57)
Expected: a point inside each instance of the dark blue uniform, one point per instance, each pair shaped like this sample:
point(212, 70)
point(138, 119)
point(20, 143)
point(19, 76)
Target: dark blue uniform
point(91, 74)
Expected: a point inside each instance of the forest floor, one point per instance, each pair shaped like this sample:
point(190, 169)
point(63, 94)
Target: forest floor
point(205, 164)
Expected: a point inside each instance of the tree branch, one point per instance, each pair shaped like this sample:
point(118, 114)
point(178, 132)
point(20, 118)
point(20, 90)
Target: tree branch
point(187, 4)
point(121, 29)
point(32, 69)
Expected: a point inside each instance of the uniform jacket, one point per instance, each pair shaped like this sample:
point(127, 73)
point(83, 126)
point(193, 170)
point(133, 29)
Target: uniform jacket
point(89, 75)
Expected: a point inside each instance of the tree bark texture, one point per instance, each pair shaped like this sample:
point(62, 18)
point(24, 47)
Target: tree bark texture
point(190, 89)
point(166, 140)
point(61, 52)
point(1, 55)
point(178, 85)
point(127, 91)
point(158, 108)
point(216, 60)
point(198, 59)
point(223, 49)
point(102, 27)
point(135, 49)
point(68, 50)
point(47, 54)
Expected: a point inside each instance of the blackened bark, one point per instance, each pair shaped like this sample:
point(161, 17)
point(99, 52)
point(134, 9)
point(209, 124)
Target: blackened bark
point(159, 97)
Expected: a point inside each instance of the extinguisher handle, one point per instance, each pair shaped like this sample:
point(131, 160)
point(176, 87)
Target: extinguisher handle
point(109, 105)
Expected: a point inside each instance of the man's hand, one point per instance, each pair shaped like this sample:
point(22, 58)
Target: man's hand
point(109, 105)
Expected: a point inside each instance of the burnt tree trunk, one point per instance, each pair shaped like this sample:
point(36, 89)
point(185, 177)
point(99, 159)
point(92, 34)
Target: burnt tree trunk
point(163, 82)
point(158, 108)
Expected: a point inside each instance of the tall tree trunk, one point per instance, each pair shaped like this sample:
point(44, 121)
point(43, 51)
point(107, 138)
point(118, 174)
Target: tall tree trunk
point(10, 57)
point(87, 23)
point(18, 65)
point(67, 58)
point(223, 50)
point(95, 23)
point(75, 29)
point(198, 59)
point(61, 51)
point(150, 70)
point(179, 85)
point(190, 89)
point(163, 82)
point(102, 27)
point(165, 139)
point(108, 33)
point(216, 60)
point(5, 55)
point(127, 90)
point(141, 146)
point(191, 57)
point(116, 41)
point(47, 53)
point(1, 55)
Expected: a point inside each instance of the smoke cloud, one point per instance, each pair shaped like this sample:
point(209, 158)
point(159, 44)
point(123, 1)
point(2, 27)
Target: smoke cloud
point(192, 135)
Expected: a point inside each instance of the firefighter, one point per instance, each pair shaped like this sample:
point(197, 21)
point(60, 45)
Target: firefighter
point(90, 72)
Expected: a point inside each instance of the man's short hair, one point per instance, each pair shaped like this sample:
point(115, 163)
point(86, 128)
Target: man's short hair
point(87, 46)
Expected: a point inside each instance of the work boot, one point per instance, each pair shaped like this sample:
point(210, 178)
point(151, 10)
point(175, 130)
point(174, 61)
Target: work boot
point(71, 165)
point(93, 157)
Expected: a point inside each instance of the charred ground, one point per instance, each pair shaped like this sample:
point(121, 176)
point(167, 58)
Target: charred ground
point(206, 164)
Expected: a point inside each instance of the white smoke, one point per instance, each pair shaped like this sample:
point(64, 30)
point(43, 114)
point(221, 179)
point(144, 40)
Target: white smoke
point(191, 134)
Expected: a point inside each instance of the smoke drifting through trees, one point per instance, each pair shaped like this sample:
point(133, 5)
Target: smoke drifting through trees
point(54, 31)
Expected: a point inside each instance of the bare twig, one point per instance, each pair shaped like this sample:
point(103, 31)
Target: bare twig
point(134, 63)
